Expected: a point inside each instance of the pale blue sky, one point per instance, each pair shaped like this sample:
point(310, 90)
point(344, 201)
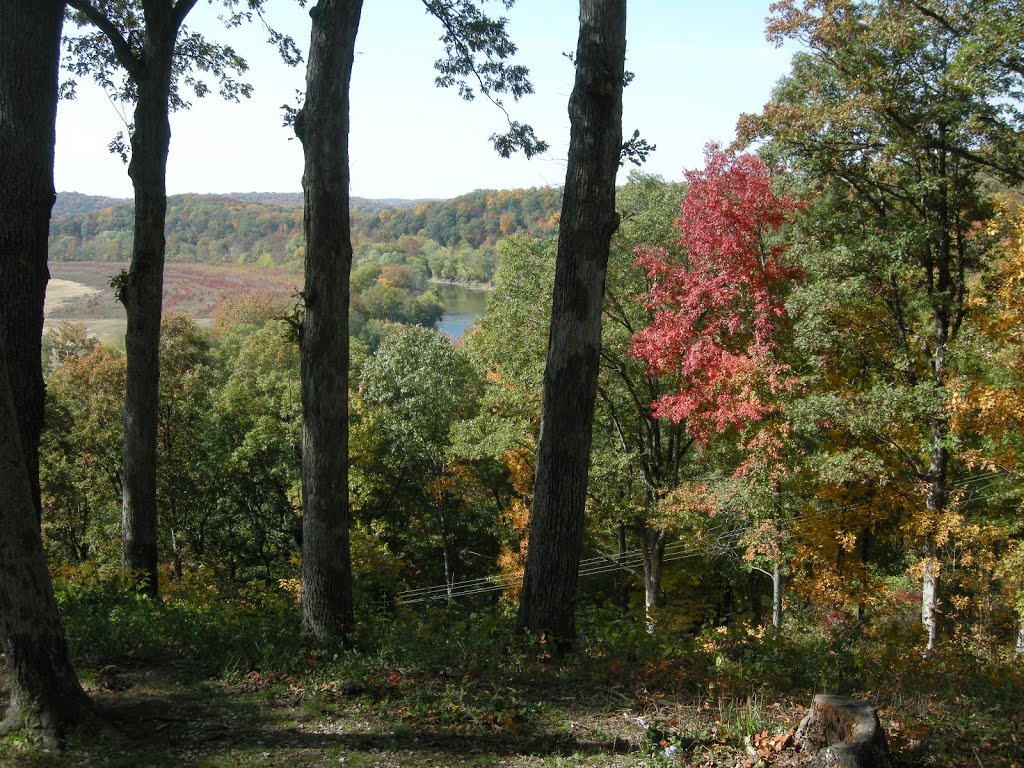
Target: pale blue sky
point(698, 65)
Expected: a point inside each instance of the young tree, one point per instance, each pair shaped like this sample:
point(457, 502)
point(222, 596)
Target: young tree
point(718, 313)
point(186, 429)
point(570, 381)
point(414, 390)
point(156, 55)
point(637, 457)
point(256, 524)
point(80, 456)
point(896, 131)
point(28, 107)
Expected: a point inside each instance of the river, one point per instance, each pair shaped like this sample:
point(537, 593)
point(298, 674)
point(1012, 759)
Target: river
point(462, 306)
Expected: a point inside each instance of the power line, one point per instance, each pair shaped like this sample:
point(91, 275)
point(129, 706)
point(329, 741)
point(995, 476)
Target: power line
point(629, 560)
point(592, 566)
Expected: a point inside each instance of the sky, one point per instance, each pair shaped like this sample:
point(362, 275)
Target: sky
point(697, 66)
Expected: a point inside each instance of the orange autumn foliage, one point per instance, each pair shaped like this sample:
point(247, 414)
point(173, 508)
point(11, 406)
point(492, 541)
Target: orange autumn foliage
point(512, 560)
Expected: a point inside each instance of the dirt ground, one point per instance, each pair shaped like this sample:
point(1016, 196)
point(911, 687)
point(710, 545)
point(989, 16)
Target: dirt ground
point(167, 717)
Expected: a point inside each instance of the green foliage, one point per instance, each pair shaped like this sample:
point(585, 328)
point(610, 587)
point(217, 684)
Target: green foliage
point(204, 229)
point(65, 341)
point(446, 674)
point(407, 483)
point(80, 456)
point(518, 308)
point(108, 620)
point(118, 38)
point(476, 49)
point(890, 133)
point(441, 441)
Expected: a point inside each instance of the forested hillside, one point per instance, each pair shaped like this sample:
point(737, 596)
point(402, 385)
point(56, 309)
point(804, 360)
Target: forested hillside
point(456, 237)
point(75, 203)
point(477, 219)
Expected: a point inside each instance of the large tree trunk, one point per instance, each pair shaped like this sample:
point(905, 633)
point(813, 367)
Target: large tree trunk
point(570, 379)
point(29, 62)
point(142, 295)
point(944, 276)
point(322, 126)
point(45, 694)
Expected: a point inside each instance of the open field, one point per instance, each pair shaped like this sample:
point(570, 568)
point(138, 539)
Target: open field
point(80, 292)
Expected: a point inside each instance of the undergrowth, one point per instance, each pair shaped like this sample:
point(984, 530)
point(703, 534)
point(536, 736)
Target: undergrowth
point(464, 672)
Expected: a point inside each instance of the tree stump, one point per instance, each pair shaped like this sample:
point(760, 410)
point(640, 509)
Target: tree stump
point(843, 732)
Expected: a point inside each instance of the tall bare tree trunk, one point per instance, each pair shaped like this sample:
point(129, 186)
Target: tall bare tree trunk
point(45, 693)
point(777, 565)
point(142, 291)
point(570, 379)
point(937, 504)
point(29, 58)
point(322, 126)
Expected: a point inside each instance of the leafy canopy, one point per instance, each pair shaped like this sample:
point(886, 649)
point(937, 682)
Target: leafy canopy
point(716, 312)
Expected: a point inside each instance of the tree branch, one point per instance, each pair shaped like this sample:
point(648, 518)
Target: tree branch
point(123, 51)
point(181, 9)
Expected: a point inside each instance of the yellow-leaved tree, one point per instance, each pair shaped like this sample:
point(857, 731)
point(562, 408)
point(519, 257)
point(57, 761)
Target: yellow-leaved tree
point(991, 402)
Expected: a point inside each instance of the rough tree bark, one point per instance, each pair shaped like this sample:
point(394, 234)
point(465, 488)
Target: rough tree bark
point(29, 63)
point(46, 697)
point(141, 291)
point(45, 693)
point(588, 221)
point(142, 296)
point(322, 126)
point(943, 265)
point(151, 69)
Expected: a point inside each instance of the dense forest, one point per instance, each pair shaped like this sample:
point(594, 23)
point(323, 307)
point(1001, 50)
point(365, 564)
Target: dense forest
point(803, 470)
point(455, 238)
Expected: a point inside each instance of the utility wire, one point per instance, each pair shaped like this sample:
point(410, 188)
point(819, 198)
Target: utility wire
point(628, 561)
point(590, 567)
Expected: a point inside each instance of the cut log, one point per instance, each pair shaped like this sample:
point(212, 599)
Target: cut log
point(843, 732)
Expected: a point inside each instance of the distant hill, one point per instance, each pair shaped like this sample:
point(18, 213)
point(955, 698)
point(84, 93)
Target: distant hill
point(71, 203)
point(477, 219)
point(266, 228)
point(294, 200)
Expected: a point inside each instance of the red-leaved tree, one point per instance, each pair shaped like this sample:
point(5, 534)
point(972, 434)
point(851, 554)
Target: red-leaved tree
point(717, 315)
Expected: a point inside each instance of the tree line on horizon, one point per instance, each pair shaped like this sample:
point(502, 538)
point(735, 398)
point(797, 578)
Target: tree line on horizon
point(457, 237)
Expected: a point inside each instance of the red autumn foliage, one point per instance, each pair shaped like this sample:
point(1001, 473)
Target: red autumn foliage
point(716, 317)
